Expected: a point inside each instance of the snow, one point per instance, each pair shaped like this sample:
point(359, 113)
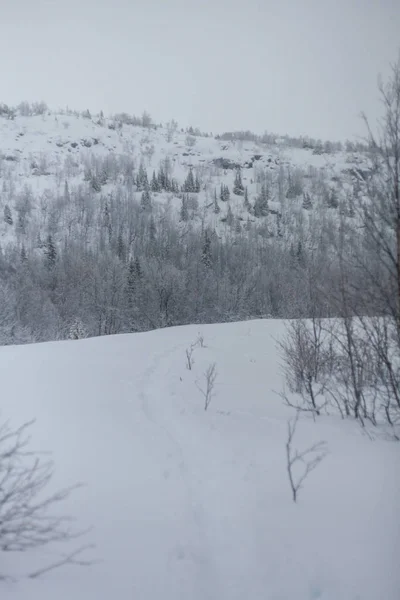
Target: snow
point(192, 504)
point(53, 140)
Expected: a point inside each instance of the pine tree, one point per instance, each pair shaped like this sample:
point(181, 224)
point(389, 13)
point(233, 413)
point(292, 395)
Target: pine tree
point(161, 178)
point(184, 213)
point(332, 200)
point(50, 252)
point(217, 209)
point(138, 269)
point(246, 202)
point(155, 186)
point(145, 201)
point(238, 188)
point(261, 208)
point(229, 216)
point(23, 255)
point(279, 228)
point(66, 192)
point(224, 193)
point(95, 183)
point(121, 251)
point(107, 221)
point(131, 282)
point(152, 230)
point(206, 256)
point(197, 185)
point(141, 180)
point(307, 203)
point(189, 185)
point(7, 215)
point(174, 186)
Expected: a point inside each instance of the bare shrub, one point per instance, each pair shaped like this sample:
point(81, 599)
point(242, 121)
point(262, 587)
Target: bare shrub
point(26, 518)
point(210, 376)
point(307, 460)
point(189, 357)
point(307, 359)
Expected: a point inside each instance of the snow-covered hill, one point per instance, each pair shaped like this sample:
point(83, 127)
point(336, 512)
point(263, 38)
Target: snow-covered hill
point(187, 503)
point(44, 151)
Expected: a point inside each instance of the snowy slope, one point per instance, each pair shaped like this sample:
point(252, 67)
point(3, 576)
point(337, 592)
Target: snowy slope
point(44, 151)
point(192, 504)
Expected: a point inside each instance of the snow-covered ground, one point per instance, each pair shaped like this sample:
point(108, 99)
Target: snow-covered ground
point(192, 504)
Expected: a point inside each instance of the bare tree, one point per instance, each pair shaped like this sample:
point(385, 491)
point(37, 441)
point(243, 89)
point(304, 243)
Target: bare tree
point(307, 460)
point(26, 518)
point(210, 376)
point(305, 354)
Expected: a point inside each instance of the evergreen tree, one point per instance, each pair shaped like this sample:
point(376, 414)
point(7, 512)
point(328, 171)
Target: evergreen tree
point(229, 216)
point(23, 255)
point(246, 202)
point(121, 251)
point(107, 221)
point(332, 199)
point(152, 230)
point(142, 182)
point(174, 186)
point(279, 228)
point(66, 192)
point(145, 201)
point(206, 256)
point(131, 282)
point(217, 209)
point(224, 193)
point(184, 213)
point(7, 215)
point(155, 186)
point(95, 183)
point(307, 203)
point(161, 178)
point(50, 252)
point(197, 185)
point(138, 269)
point(189, 185)
point(238, 188)
point(261, 208)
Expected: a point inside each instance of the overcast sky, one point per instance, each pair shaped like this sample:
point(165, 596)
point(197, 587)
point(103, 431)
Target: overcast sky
point(286, 66)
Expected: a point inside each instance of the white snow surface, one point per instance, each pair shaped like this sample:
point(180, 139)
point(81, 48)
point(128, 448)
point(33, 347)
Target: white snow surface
point(192, 504)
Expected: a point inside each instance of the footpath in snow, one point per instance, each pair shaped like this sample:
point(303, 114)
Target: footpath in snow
point(188, 504)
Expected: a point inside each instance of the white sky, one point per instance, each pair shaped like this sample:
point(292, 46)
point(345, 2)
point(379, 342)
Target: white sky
point(287, 66)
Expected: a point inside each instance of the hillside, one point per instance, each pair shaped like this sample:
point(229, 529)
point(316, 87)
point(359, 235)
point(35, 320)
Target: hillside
point(187, 503)
point(113, 225)
point(45, 151)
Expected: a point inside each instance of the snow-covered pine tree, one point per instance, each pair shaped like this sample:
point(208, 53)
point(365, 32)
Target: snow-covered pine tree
point(184, 213)
point(261, 208)
point(206, 257)
point(7, 215)
point(189, 185)
point(307, 202)
point(145, 201)
point(155, 186)
point(217, 209)
point(246, 201)
point(238, 188)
